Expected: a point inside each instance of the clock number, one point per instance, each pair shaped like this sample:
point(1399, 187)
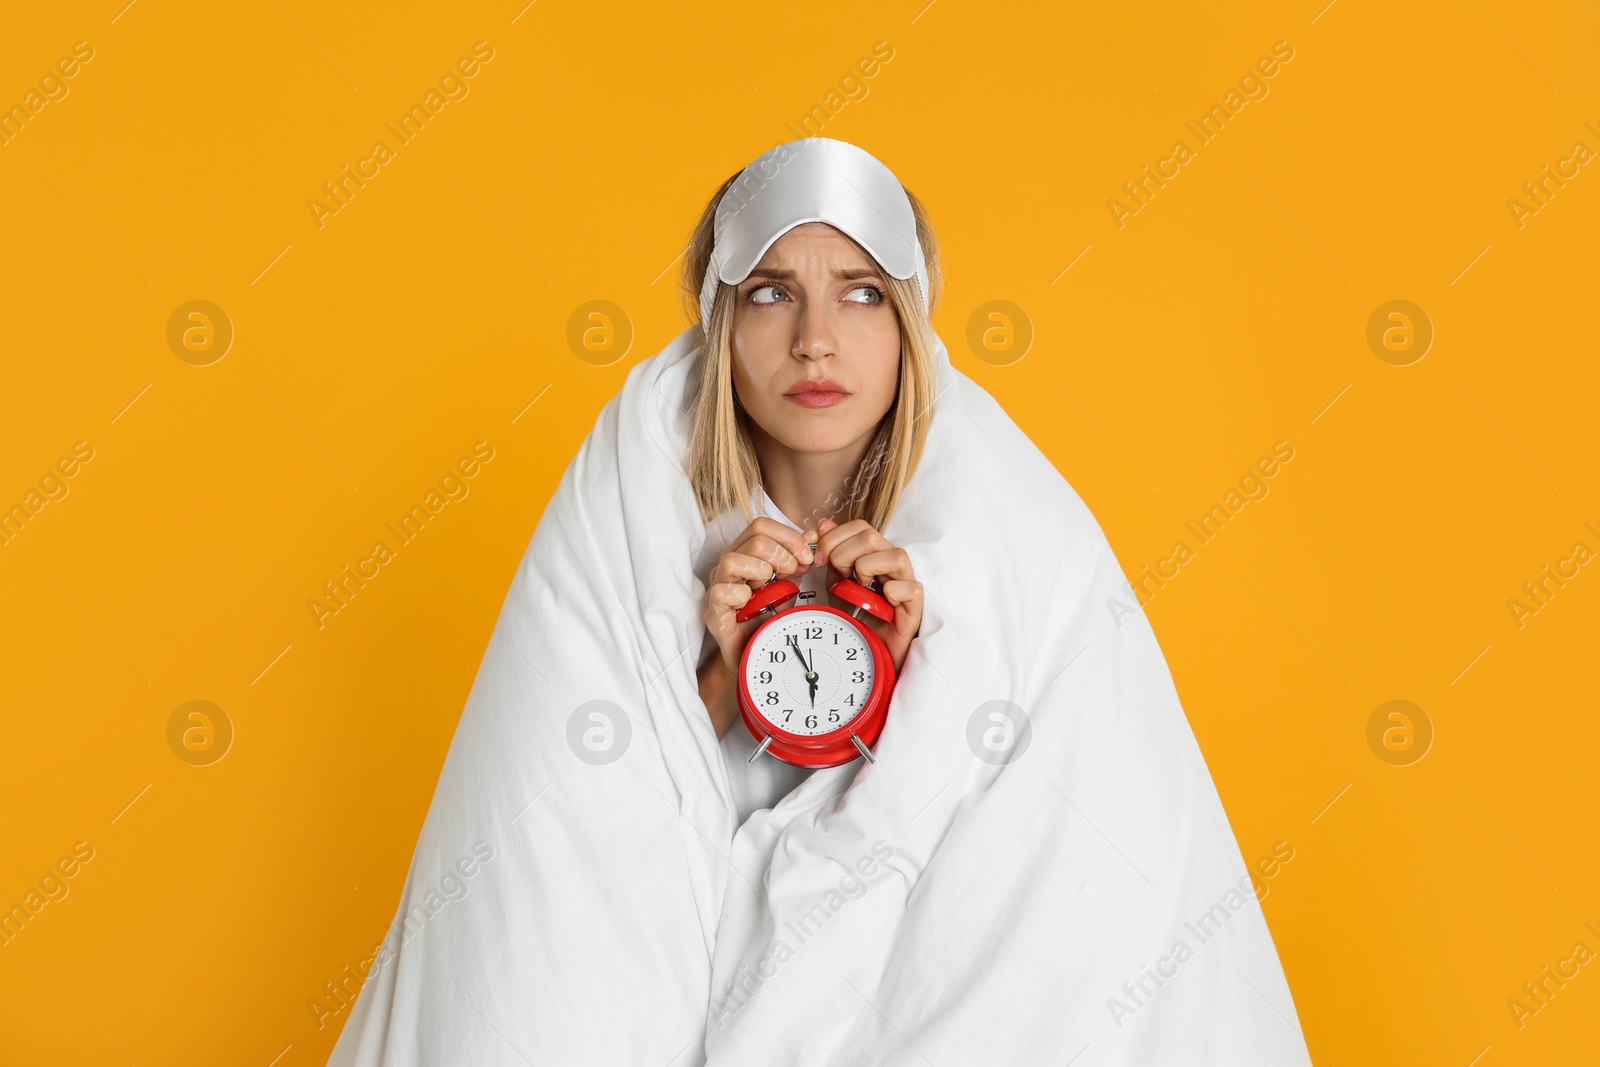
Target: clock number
point(811, 722)
point(858, 676)
point(765, 678)
point(786, 713)
point(813, 631)
point(772, 696)
point(851, 699)
point(833, 714)
point(836, 637)
point(850, 653)
point(775, 657)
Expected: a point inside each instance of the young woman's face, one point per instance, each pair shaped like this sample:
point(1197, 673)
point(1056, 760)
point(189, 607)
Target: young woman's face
point(815, 312)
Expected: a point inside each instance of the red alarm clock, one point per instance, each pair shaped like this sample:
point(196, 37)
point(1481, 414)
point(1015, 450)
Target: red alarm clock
point(814, 683)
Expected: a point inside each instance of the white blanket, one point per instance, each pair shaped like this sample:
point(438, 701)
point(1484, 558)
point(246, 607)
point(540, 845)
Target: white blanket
point(1055, 885)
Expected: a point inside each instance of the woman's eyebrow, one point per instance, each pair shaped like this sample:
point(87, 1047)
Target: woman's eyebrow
point(841, 273)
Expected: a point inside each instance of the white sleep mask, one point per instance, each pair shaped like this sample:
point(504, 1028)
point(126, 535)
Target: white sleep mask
point(814, 179)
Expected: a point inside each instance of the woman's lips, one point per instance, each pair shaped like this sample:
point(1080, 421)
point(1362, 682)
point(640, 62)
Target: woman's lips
point(823, 393)
point(816, 399)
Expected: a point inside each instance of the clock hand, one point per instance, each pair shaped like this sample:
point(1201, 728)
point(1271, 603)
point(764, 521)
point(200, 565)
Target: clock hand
point(811, 676)
point(810, 671)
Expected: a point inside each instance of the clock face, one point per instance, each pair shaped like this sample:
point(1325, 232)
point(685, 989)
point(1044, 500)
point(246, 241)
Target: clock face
point(809, 672)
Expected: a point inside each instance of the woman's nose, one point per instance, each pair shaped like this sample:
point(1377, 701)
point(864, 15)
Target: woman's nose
point(814, 333)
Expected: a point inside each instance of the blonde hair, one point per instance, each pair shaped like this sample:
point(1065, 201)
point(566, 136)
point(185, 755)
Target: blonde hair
point(721, 457)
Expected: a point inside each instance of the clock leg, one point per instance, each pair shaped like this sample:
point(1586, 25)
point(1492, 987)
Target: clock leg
point(757, 754)
point(861, 747)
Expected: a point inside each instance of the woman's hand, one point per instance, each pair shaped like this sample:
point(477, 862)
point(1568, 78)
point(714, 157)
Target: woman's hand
point(856, 545)
point(766, 547)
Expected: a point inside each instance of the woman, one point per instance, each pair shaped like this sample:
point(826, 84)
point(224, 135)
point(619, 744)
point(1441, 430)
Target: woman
point(1035, 867)
point(819, 391)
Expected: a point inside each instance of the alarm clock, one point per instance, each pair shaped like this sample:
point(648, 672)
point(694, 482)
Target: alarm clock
point(814, 682)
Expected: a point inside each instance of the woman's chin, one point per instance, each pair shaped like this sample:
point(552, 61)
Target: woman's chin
point(814, 431)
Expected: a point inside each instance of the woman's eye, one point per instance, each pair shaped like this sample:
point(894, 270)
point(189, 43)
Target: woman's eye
point(866, 294)
point(756, 294)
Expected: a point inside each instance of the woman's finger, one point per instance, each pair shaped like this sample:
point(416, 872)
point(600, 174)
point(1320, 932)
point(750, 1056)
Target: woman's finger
point(730, 595)
point(889, 563)
point(835, 535)
point(906, 597)
point(903, 593)
point(847, 553)
point(765, 535)
point(741, 567)
point(824, 527)
point(772, 551)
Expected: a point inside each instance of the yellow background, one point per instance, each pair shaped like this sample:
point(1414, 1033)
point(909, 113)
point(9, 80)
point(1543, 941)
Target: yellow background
point(430, 311)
